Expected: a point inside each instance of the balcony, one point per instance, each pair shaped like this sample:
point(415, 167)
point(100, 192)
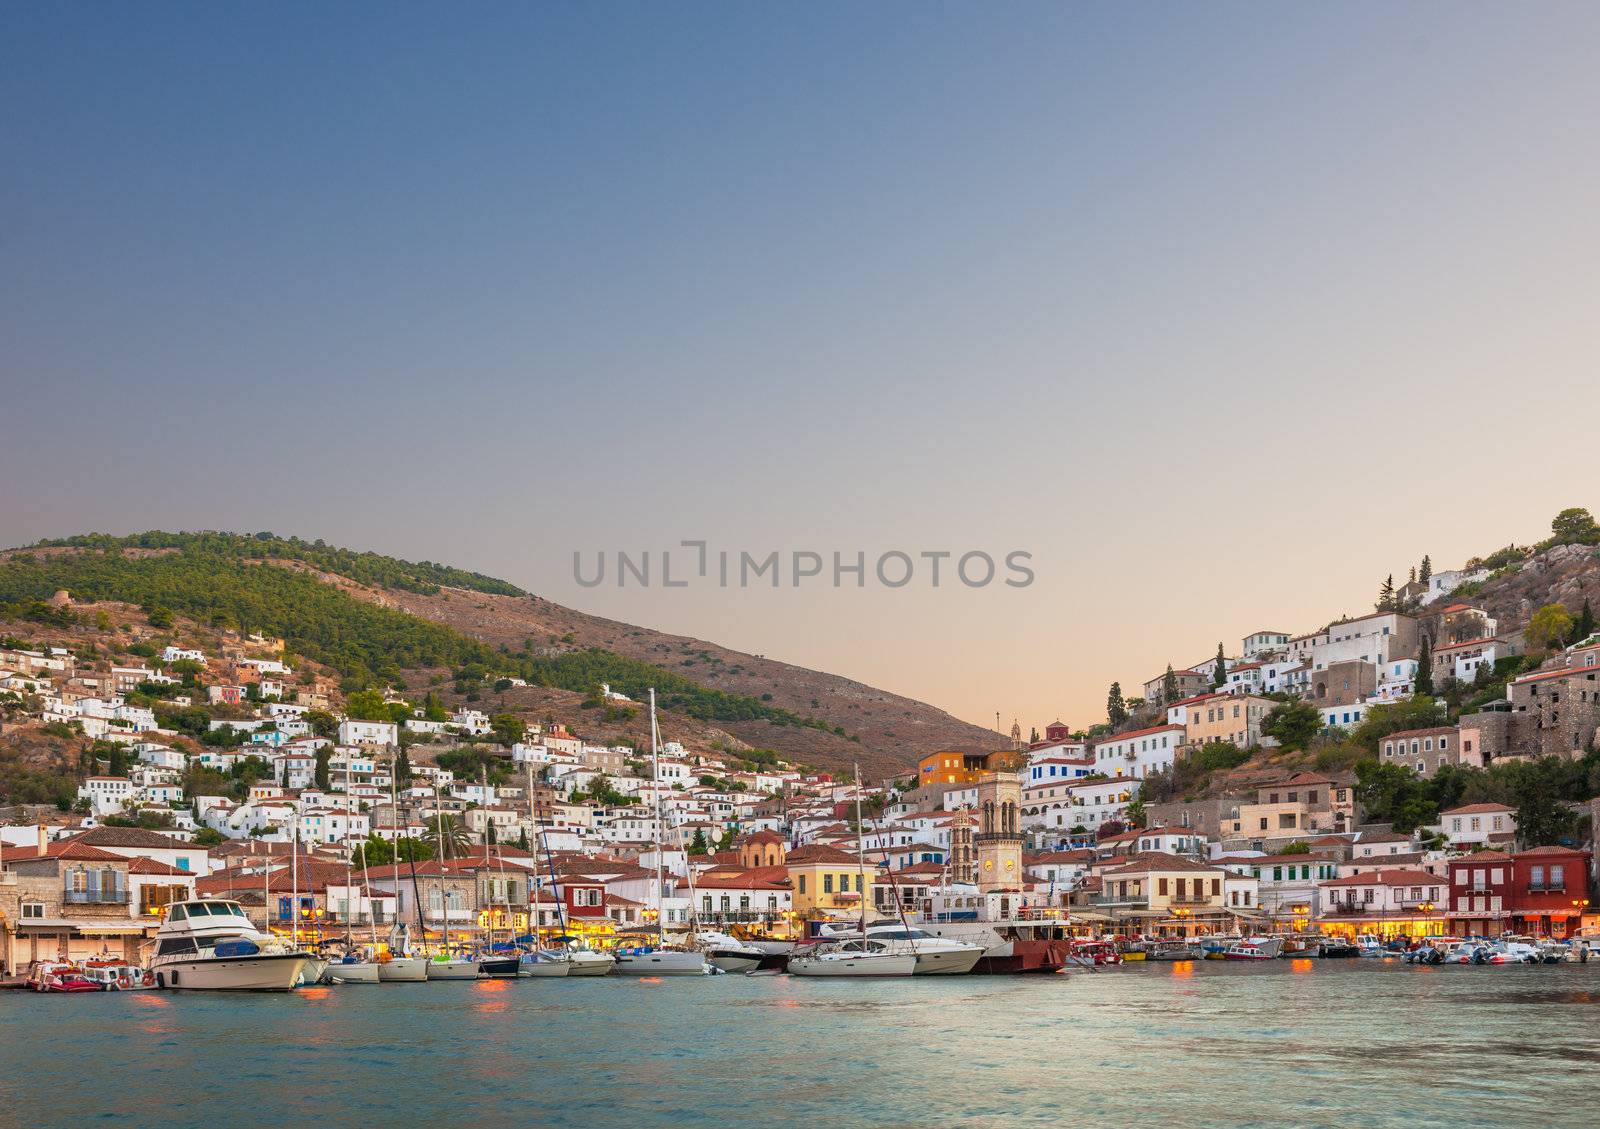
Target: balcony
point(95, 897)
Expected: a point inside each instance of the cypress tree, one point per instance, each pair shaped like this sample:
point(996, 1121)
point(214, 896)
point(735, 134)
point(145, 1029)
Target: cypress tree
point(1219, 674)
point(1424, 683)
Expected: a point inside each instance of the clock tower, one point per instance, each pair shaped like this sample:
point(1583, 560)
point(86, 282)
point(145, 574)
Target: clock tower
point(999, 838)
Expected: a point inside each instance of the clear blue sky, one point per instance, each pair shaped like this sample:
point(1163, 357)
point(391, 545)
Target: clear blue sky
point(1222, 311)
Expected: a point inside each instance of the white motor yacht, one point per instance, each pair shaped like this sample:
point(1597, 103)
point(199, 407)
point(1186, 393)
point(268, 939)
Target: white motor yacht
point(853, 958)
point(728, 952)
point(212, 946)
point(936, 956)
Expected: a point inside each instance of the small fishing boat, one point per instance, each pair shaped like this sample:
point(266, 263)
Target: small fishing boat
point(1337, 947)
point(119, 976)
point(1171, 951)
point(1369, 946)
point(59, 976)
point(1256, 948)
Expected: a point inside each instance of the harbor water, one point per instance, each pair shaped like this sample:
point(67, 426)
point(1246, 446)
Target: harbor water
point(1290, 1042)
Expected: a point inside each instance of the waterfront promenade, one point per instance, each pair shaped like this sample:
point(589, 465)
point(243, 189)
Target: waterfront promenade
point(1292, 1042)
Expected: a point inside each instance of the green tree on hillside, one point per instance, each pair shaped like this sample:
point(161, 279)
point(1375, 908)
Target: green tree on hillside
point(1423, 684)
point(1585, 625)
point(1219, 673)
point(1386, 598)
point(1169, 686)
point(1575, 526)
point(1425, 573)
point(508, 728)
point(1294, 724)
point(1548, 628)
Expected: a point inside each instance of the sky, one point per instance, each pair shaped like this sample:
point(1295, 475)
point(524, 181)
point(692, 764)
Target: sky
point(1220, 313)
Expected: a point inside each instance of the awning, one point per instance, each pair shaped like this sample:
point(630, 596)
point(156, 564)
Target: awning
point(85, 928)
point(1085, 915)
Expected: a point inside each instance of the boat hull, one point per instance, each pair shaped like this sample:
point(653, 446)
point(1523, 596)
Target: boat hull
point(501, 968)
point(735, 961)
point(546, 968)
point(873, 965)
point(1022, 958)
point(263, 972)
point(665, 963)
point(590, 964)
point(956, 963)
point(361, 973)
point(403, 970)
point(452, 970)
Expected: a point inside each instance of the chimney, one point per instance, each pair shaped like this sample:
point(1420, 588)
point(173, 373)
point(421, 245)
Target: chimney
point(44, 840)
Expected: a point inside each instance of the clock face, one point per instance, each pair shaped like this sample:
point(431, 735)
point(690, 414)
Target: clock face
point(988, 864)
point(1010, 865)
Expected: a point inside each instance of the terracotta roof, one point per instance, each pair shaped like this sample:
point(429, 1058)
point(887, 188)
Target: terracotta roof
point(1401, 877)
point(819, 852)
point(1549, 851)
point(143, 865)
point(70, 849)
point(1476, 809)
point(1159, 861)
point(1431, 731)
point(133, 837)
point(1115, 737)
point(1482, 856)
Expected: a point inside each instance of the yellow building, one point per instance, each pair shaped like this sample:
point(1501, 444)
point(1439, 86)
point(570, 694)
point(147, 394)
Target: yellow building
point(1227, 717)
point(828, 882)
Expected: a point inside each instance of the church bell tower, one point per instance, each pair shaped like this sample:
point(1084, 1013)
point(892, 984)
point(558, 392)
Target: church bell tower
point(999, 838)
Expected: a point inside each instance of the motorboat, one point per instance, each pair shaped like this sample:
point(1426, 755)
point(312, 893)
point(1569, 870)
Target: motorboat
point(1337, 947)
point(589, 962)
point(936, 956)
point(647, 960)
point(1369, 946)
point(59, 976)
point(210, 945)
point(727, 952)
point(1176, 950)
point(445, 967)
point(860, 957)
point(1013, 939)
point(1256, 948)
point(315, 971)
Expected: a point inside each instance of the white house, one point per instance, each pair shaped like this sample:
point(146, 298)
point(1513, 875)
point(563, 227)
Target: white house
point(1138, 753)
point(352, 732)
point(1477, 825)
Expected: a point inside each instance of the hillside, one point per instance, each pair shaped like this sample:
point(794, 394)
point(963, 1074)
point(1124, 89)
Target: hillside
point(375, 619)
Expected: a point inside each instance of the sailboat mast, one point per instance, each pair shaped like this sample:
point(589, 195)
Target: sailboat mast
point(349, 800)
point(655, 782)
point(861, 855)
point(294, 878)
point(438, 827)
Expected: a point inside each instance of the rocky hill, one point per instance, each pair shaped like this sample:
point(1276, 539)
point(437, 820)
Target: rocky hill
point(375, 619)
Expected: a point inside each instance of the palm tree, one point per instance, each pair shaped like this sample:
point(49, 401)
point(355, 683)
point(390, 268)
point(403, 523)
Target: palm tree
point(454, 835)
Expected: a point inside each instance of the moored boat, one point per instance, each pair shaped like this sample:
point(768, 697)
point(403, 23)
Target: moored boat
point(207, 945)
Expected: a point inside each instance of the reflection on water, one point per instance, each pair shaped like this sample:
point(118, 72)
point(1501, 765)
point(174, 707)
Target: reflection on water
point(1334, 1043)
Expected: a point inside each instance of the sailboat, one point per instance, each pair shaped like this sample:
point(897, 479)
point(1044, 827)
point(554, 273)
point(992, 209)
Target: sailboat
point(862, 954)
point(503, 964)
point(443, 966)
point(397, 964)
point(660, 960)
point(352, 968)
point(569, 959)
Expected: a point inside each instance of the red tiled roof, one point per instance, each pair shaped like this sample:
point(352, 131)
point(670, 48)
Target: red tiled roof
point(1401, 877)
point(1477, 809)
